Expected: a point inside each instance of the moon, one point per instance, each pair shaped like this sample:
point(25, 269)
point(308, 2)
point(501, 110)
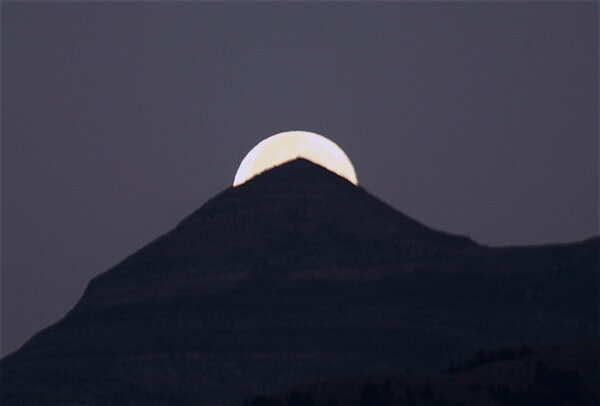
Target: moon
point(287, 146)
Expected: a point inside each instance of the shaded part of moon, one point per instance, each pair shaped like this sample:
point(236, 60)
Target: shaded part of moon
point(287, 146)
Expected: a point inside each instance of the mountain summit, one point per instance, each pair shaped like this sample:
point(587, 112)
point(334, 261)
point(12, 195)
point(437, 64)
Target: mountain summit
point(296, 275)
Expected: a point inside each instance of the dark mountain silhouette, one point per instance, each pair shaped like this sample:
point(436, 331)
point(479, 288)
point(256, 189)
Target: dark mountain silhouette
point(294, 276)
point(520, 375)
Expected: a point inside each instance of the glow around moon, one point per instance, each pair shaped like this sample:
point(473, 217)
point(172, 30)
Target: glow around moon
point(287, 146)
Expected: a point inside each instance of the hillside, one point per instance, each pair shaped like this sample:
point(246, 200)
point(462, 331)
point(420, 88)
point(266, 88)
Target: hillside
point(296, 276)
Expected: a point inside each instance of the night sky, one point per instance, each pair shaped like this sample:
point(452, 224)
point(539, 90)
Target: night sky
point(119, 119)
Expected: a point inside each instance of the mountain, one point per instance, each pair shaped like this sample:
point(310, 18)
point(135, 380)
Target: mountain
point(297, 275)
point(544, 376)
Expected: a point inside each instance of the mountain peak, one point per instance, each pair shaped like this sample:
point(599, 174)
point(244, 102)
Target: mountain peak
point(297, 210)
point(294, 273)
point(314, 203)
point(299, 169)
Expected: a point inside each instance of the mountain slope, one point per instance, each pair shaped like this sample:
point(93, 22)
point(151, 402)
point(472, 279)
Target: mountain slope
point(545, 376)
point(297, 275)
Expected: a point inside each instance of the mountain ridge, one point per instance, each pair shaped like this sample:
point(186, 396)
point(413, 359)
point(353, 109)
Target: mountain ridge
point(293, 275)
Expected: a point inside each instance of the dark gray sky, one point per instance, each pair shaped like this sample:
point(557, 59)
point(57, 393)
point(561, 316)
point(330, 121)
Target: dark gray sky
point(119, 119)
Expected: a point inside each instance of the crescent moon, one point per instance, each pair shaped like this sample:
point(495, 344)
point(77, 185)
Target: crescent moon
point(287, 146)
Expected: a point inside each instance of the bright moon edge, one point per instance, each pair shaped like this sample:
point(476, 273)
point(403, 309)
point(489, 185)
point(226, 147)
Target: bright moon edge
point(287, 146)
